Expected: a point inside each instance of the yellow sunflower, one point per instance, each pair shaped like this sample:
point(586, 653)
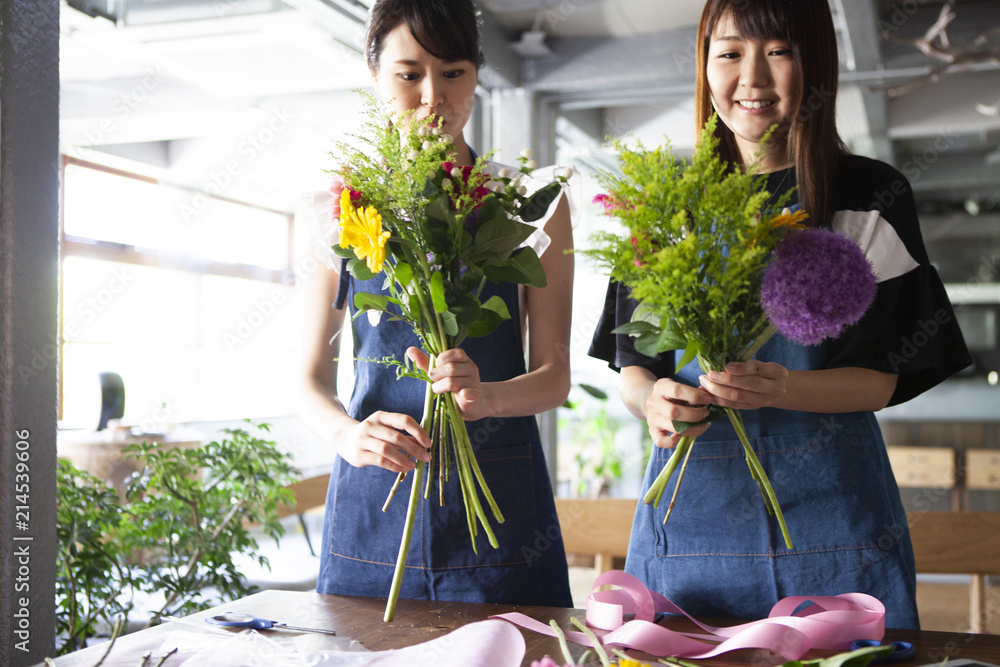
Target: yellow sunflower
point(361, 229)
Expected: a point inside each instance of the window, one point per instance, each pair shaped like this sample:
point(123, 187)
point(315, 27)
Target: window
point(186, 296)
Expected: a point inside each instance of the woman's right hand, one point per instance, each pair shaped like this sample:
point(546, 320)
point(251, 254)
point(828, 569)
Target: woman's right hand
point(388, 440)
point(668, 401)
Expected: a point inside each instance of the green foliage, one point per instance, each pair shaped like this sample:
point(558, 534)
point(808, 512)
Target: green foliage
point(451, 228)
point(592, 432)
point(92, 568)
point(185, 517)
point(693, 248)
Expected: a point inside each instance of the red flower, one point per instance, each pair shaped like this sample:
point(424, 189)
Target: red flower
point(477, 190)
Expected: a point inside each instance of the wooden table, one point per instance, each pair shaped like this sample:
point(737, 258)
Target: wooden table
point(419, 621)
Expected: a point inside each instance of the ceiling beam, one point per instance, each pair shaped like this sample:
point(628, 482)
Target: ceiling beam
point(503, 64)
point(859, 22)
point(637, 62)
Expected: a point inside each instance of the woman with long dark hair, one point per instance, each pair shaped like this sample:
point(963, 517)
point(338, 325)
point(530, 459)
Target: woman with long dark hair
point(424, 56)
point(808, 410)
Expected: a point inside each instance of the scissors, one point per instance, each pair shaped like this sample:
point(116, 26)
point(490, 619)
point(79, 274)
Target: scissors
point(233, 620)
point(900, 650)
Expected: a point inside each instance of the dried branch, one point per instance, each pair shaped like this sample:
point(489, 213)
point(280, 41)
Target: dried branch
point(936, 44)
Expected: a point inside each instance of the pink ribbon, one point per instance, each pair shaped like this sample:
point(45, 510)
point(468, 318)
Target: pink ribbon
point(830, 623)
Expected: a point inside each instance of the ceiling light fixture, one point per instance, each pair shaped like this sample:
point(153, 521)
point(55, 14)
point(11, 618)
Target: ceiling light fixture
point(532, 42)
point(972, 206)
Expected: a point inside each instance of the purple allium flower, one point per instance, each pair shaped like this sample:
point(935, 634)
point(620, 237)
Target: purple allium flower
point(818, 283)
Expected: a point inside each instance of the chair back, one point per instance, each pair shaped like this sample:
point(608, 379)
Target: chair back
point(959, 543)
point(598, 527)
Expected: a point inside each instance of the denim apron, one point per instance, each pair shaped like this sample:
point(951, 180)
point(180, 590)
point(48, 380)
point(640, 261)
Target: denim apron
point(721, 556)
point(361, 543)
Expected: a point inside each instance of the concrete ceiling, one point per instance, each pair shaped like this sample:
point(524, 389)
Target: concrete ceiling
point(181, 88)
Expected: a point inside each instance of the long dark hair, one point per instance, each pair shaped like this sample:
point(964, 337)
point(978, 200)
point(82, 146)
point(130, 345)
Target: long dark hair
point(812, 135)
point(447, 29)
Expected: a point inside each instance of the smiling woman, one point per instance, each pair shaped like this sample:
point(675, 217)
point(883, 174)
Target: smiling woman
point(808, 410)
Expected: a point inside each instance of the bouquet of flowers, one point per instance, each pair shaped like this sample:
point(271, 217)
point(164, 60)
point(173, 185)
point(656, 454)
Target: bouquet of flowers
point(438, 232)
point(717, 266)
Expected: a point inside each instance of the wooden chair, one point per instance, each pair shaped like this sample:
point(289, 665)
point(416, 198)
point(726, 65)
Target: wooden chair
point(925, 468)
point(959, 543)
point(598, 527)
point(982, 469)
point(292, 567)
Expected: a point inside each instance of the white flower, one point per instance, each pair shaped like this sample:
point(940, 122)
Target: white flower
point(521, 190)
point(447, 138)
point(374, 317)
point(526, 153)
point(564, 172)
point(504, 173)
point(456, 172)
point(435, 131)
point(446, 183)
point(413, 155)
point(494, 186)
point(427, 145)
point(530, 164)
point(423, 131)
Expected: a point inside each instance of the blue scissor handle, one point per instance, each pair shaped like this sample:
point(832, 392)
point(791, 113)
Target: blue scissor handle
point(231, 620)
point(900, 650)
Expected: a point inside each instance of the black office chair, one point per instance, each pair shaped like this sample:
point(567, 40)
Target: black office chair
point(112, 398)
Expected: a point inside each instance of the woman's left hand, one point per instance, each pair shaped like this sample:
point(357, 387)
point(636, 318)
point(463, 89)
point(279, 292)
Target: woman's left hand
point(454, 371)
point(747, 385)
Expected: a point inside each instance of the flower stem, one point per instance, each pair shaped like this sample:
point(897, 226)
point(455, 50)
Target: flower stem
point(770, 499)
point(758, 342)
point(655, 492)
point(411, 513)
point(677, 484)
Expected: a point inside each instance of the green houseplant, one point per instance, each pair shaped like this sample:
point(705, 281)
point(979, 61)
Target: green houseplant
point(184, 518)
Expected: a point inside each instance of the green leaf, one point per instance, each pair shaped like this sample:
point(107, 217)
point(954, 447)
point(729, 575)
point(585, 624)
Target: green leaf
point(690, 352)
point(404, 273)
point(437, 292)
point(859, 658)
point(486, 324)
point(594, 391)
point(538, 204)
point(344, 253)
point(359, 269)
point(450, 323)
point(466, 309)
point(365, 301)
point(522, 267)
point(492, 314)
point(637, 328)
point(499, 234)
point(648, 344)
point(498, 306)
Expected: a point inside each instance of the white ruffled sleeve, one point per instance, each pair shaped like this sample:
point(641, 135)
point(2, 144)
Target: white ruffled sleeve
point(316, 211)
point(539, 241)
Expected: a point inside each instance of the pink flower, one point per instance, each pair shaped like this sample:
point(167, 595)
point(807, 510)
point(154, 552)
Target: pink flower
point(547, 662)
point(608, 203)
point(337, 186)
